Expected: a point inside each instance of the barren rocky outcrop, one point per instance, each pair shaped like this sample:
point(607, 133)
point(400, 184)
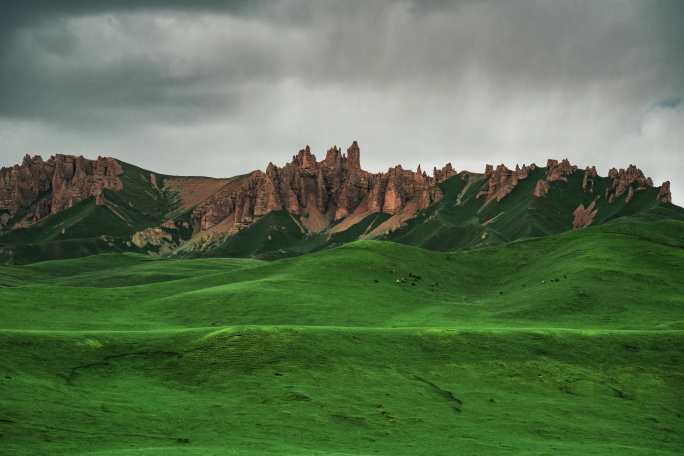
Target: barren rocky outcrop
point(664, 195)
point(47, 187)
point(584, 215)
point(502, 181)
point(322, 192)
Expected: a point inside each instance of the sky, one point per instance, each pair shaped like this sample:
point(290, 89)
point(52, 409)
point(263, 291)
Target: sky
point(221, 88)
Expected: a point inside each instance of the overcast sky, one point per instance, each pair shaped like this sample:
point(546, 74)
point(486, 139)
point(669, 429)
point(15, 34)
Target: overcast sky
point(221, 88)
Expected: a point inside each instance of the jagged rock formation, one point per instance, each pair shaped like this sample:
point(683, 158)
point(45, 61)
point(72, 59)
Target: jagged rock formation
point(664, 195)
point(626, 180)
point(629, 181)
point(274, 212)
point(47, 187)
point(443, 174)
point(320, 192)
point(584, 215)
point(502, 181)
point(556, 170)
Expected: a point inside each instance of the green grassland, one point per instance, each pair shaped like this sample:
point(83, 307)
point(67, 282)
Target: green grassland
point(569, 344)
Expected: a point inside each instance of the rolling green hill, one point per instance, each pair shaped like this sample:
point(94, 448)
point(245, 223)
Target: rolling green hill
point(565, 344)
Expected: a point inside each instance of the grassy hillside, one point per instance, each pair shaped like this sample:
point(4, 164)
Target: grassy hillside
point(622, 276)
point(568, 344)
point(328, 391)
point(461, 219)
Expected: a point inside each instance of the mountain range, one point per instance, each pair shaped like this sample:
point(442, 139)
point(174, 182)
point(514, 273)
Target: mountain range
point(535, 310)
point(68, 206)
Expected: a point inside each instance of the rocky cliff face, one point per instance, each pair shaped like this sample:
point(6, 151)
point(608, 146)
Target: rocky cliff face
point(325, 191)
point(628, 181)
point(41, 188)
point(502, 181)
point(584, 216)
point(559, 171)
point(555, 171)
point(664, 195)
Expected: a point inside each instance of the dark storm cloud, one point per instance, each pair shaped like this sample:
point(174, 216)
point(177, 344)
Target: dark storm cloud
point(466, 81)
point(89, 60)
point(55, 65)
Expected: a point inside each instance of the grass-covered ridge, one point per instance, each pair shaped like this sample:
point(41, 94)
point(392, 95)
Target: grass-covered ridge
point(461, 219)
point(567, 344)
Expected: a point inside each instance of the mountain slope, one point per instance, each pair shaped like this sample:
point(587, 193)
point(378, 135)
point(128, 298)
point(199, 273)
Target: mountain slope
point(461, 219)
point(79, 215)
point(304, 206)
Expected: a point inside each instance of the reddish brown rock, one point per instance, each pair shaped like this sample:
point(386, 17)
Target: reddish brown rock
point(584, 216)
point(331, 189)
point(443, 174)
point(502, 181)
point(541, 188)
point(624, 179)
point(664, 195)
point(559, 170)
point(630, 181)
point(21, 185)
point(76, 178)
point(47, 187)
point(354, 156)
point(392, 202)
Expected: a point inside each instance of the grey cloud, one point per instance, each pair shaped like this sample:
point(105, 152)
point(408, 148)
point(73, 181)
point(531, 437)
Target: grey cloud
point(547, 46)
point(241, 83)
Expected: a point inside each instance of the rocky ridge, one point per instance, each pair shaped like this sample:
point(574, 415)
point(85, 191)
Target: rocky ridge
point(39, 188)
point(331, 194)
point(555, 171)
point(320, 192)
point(502, 181)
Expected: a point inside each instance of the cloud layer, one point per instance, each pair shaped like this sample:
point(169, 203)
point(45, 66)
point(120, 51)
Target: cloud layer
point(221, 88)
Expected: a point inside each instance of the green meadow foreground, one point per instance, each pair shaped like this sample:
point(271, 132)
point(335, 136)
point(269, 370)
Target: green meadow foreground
point(567, 344)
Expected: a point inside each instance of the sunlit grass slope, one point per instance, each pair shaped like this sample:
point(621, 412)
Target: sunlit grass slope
point(571, 344)
point(621, 275)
